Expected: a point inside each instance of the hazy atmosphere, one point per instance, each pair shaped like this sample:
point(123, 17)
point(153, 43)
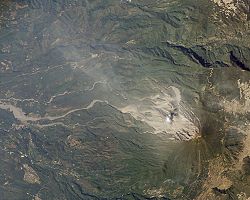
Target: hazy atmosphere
point(124, 99)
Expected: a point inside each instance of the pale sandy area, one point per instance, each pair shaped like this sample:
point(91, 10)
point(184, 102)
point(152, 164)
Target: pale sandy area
point(154, 111)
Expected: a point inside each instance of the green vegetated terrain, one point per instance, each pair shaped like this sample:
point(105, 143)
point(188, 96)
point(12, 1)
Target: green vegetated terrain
point(126, 100)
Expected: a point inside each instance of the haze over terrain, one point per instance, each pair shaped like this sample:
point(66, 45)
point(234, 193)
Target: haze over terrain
point(124, 99)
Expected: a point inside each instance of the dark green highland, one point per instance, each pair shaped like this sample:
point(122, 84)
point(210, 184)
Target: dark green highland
point(124, 100)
